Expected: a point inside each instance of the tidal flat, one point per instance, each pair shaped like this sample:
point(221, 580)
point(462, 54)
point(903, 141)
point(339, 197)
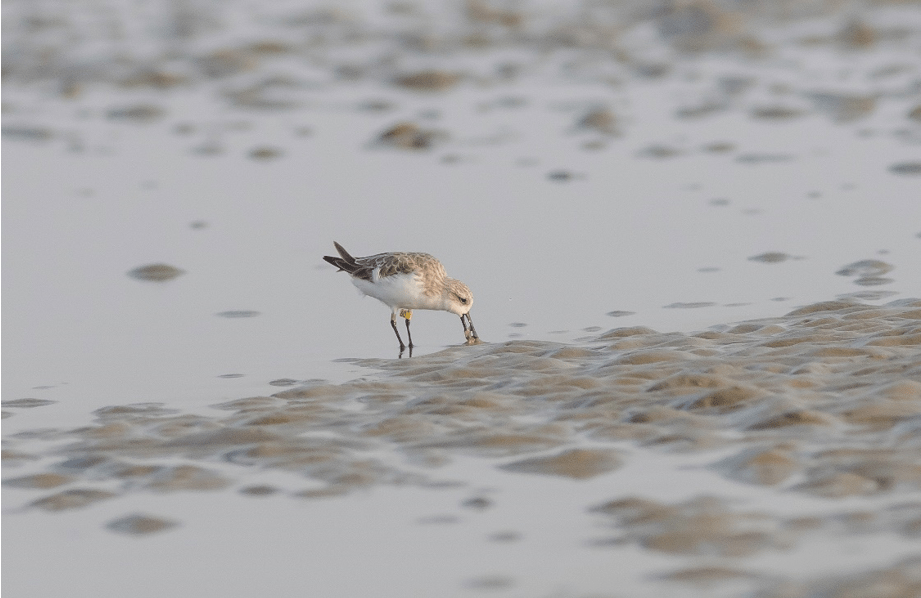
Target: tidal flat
point(693, 235)
point(733, 460)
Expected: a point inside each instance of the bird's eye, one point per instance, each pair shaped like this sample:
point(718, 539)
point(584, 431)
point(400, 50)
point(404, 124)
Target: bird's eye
point(463, 300)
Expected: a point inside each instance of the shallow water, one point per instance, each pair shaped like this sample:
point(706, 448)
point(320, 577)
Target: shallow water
point(184, 376)
point(773, 450)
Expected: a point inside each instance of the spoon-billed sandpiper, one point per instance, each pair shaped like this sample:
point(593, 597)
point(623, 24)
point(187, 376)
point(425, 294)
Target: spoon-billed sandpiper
point(408, 281)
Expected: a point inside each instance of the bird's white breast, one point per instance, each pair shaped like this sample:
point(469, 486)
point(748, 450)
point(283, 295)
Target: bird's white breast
point(398, 291)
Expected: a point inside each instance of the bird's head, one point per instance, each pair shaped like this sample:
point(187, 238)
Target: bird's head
point(459, 297)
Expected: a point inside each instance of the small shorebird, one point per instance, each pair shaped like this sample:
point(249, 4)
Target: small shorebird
point(407, 281)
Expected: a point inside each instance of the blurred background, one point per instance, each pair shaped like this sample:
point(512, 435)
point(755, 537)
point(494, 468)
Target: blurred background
point(580, 165)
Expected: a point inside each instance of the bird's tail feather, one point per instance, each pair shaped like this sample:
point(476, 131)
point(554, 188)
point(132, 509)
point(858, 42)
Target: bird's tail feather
point(345, 254)
point(345, 263)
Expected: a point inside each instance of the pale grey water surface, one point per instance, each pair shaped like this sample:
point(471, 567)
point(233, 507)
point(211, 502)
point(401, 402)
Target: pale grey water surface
point(240, 424)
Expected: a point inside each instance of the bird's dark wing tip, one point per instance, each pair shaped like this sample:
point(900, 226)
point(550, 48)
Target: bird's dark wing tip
point(345, 254)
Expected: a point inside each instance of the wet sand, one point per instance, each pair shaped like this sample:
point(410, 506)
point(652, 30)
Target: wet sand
point(822, 403)
point(194, 403)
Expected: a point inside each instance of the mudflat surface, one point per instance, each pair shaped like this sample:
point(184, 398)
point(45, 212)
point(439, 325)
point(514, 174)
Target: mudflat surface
point(691, 230)
point(736, 452)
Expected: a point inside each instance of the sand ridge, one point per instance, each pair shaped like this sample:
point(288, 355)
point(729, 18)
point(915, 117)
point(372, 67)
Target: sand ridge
point(824, 402)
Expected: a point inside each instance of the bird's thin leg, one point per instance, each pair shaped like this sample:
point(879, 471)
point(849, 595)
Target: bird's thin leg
point(409, 335)
point(393, 323)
